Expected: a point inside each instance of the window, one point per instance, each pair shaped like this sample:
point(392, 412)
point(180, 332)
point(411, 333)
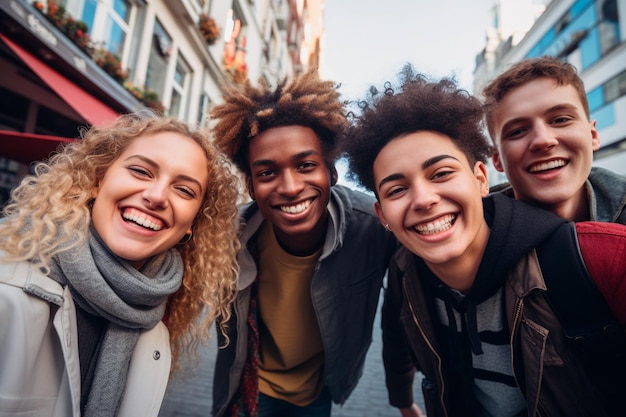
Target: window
point(203, 109)
point(615, 87)
point(607, 92)
point(180, 88)
point(608, 25)
point(562, 23)
point(49, 122)
point(13, 110)
point(108, 21)
point(612, 149)
point(158, 61)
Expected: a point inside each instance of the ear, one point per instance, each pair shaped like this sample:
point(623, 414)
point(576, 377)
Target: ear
point(332, 173)
point(497, 163)
point(250, 188)
point(595, 137)
point(380, 214)
point(480, 172)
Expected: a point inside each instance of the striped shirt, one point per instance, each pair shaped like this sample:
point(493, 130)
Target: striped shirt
point(495, 388)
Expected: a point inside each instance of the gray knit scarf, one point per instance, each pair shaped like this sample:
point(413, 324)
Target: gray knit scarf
point(105, 285)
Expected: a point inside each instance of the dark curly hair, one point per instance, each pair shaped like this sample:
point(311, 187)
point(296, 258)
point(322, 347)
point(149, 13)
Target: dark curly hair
point(305, 101)
point(417, 104)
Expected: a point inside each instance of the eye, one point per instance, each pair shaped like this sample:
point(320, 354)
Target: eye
point(308, 165)
point(265, 173)
point(441, 174)
point(139, 171)
point(560, 120)
point(514, 133)
point(186, 191)
point(395, 191)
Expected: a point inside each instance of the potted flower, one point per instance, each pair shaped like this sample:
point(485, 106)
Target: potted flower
point(76, 30)
point(208, 28)
point(148, 97)
point(110, 63)
point(151, 100)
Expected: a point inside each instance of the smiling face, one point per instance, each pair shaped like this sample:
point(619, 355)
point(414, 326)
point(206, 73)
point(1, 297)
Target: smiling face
point(545, 146)
point(290, 181)
point(149, 197)
point(432, 200)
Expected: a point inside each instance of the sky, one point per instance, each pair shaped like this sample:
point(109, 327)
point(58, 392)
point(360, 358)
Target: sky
point(368, 41)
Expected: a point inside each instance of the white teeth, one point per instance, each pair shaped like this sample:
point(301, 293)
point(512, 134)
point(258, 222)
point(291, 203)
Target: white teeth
point(298, 208)
point(438, 226)
point(142, 221)
point(544, 166)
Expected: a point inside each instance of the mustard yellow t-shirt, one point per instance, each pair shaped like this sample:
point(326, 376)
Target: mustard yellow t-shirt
point(291, 350)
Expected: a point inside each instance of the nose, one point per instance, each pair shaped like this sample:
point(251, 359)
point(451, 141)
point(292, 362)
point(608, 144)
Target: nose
point(290, 183)
point(155, 195)
point(423, 196)
point(543, 138)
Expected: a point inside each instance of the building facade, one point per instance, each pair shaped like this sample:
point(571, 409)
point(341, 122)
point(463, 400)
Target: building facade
point(67, 64)
point(590, 34)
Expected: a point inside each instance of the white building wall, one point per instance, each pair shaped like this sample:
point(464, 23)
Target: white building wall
point(179, 18)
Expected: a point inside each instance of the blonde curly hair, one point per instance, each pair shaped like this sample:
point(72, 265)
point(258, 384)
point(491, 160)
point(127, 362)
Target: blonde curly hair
point(49, 212)
point(247, 111)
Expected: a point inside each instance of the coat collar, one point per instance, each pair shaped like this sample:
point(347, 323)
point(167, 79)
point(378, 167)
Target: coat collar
point(338, 207)
point(24, 275)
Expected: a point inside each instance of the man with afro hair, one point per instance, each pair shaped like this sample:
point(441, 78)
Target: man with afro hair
point(313, 255)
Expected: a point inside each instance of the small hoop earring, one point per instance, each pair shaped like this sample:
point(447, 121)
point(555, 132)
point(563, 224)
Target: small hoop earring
point(185, 238)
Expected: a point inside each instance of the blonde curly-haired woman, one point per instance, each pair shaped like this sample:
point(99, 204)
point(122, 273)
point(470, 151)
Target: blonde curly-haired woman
point(115, 259)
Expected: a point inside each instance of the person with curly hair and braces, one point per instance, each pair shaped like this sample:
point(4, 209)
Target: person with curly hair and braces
point(467, 302)
point(116, 257)
point(313, 255)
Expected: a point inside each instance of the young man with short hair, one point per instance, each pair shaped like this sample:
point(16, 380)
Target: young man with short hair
point(312, 261)
point(538, 118)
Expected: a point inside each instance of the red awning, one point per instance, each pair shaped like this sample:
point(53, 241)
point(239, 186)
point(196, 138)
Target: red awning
point(28, 147)
point(93, 110)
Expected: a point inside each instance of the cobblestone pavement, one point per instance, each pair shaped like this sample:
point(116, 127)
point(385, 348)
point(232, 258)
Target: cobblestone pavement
point(191, 397)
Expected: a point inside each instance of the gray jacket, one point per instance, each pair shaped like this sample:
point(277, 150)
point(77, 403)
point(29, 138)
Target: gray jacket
point(345, 291)
point(607, 196)
point(606, 192)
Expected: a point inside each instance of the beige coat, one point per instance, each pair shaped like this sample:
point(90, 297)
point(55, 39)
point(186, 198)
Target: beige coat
point(39, 366)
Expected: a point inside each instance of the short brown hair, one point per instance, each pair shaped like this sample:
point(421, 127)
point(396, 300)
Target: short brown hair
point(562, 72)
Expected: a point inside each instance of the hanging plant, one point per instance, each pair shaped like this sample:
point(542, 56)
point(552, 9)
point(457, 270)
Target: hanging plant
point(75, 30)
point(208, 28)
point(110, 63)
point(148, 97)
